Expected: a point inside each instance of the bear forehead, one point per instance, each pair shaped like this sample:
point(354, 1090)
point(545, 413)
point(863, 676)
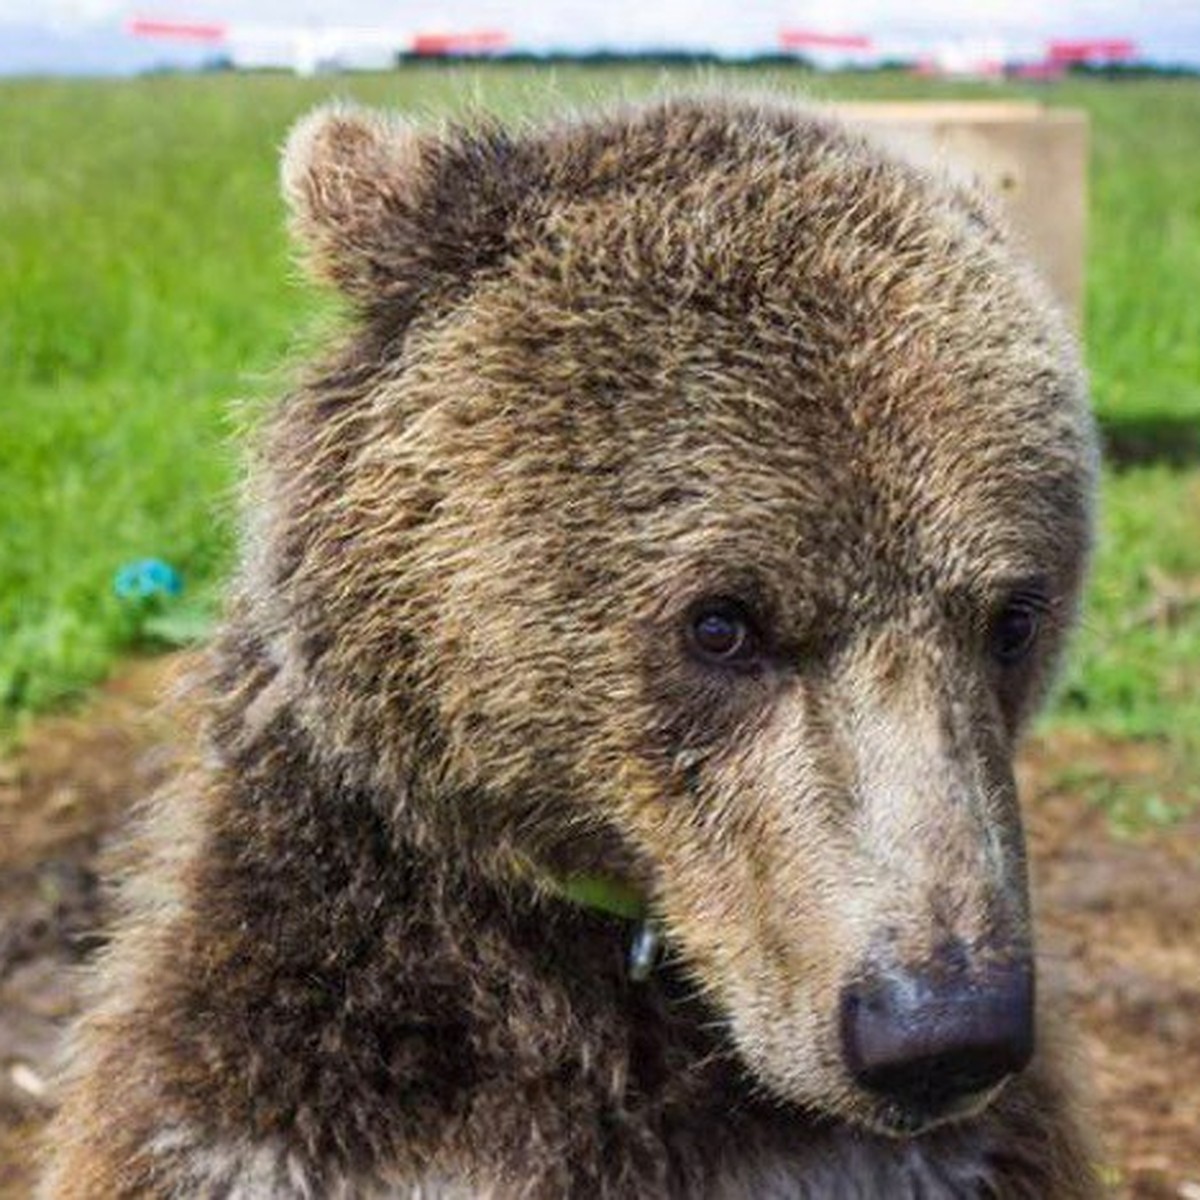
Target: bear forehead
point(802, 425)
point(706, 452)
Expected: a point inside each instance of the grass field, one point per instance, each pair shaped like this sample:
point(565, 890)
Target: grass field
point(147, 303)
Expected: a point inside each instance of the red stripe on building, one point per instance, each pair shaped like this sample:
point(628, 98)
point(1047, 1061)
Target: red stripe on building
point(808, 39)
point(187, 31)
point(1084, 50)
point(481, 41)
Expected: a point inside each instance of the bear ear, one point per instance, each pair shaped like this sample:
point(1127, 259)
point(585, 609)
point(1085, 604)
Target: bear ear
point(352, 179)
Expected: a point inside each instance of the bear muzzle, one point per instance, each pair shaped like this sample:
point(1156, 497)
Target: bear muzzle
point(932, 1041)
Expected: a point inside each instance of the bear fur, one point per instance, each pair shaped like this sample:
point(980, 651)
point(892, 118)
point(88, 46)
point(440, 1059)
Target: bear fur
point(602, 375)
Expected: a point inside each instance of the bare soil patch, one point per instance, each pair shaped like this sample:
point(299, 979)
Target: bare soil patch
point(1120, 919)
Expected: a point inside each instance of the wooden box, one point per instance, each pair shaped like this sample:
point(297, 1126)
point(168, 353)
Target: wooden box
point(1033, 158)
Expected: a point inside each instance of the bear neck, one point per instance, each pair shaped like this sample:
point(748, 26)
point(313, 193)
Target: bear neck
point(311, 847)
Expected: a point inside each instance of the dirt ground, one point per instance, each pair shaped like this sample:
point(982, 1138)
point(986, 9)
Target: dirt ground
point(1120, 915)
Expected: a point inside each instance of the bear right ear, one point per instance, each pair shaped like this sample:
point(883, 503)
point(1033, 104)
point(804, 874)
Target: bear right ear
point(352, 179)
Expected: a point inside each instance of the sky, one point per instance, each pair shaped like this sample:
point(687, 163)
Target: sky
point(86, 35)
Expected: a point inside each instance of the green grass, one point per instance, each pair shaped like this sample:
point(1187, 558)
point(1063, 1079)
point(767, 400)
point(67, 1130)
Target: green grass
point(1136, 667)
point(147, 296)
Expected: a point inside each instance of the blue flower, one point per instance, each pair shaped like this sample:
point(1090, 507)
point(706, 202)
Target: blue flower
point(145, 578)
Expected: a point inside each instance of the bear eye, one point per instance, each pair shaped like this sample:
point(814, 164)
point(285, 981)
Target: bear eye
point(721, 632)
point(1015, 629)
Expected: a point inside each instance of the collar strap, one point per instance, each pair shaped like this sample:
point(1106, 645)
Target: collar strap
point(601, 893)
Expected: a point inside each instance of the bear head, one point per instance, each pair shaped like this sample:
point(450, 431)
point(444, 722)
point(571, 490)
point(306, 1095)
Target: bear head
point(700, 496)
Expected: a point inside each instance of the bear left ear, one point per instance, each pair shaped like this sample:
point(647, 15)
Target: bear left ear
point(351, 178)
point(391, 214)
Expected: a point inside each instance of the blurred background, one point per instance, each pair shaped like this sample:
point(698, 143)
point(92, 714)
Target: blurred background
point(149, 307)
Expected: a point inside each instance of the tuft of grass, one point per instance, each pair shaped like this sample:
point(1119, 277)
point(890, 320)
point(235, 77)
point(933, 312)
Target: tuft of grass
point(148, 295)
point(1134, 805)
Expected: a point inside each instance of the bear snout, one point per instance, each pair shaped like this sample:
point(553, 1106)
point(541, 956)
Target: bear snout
point(928, 1040)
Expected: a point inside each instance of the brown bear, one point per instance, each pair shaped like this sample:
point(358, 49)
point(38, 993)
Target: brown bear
point(605, 781)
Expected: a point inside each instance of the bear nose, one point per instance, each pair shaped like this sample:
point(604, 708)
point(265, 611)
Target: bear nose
point(928, 1038)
